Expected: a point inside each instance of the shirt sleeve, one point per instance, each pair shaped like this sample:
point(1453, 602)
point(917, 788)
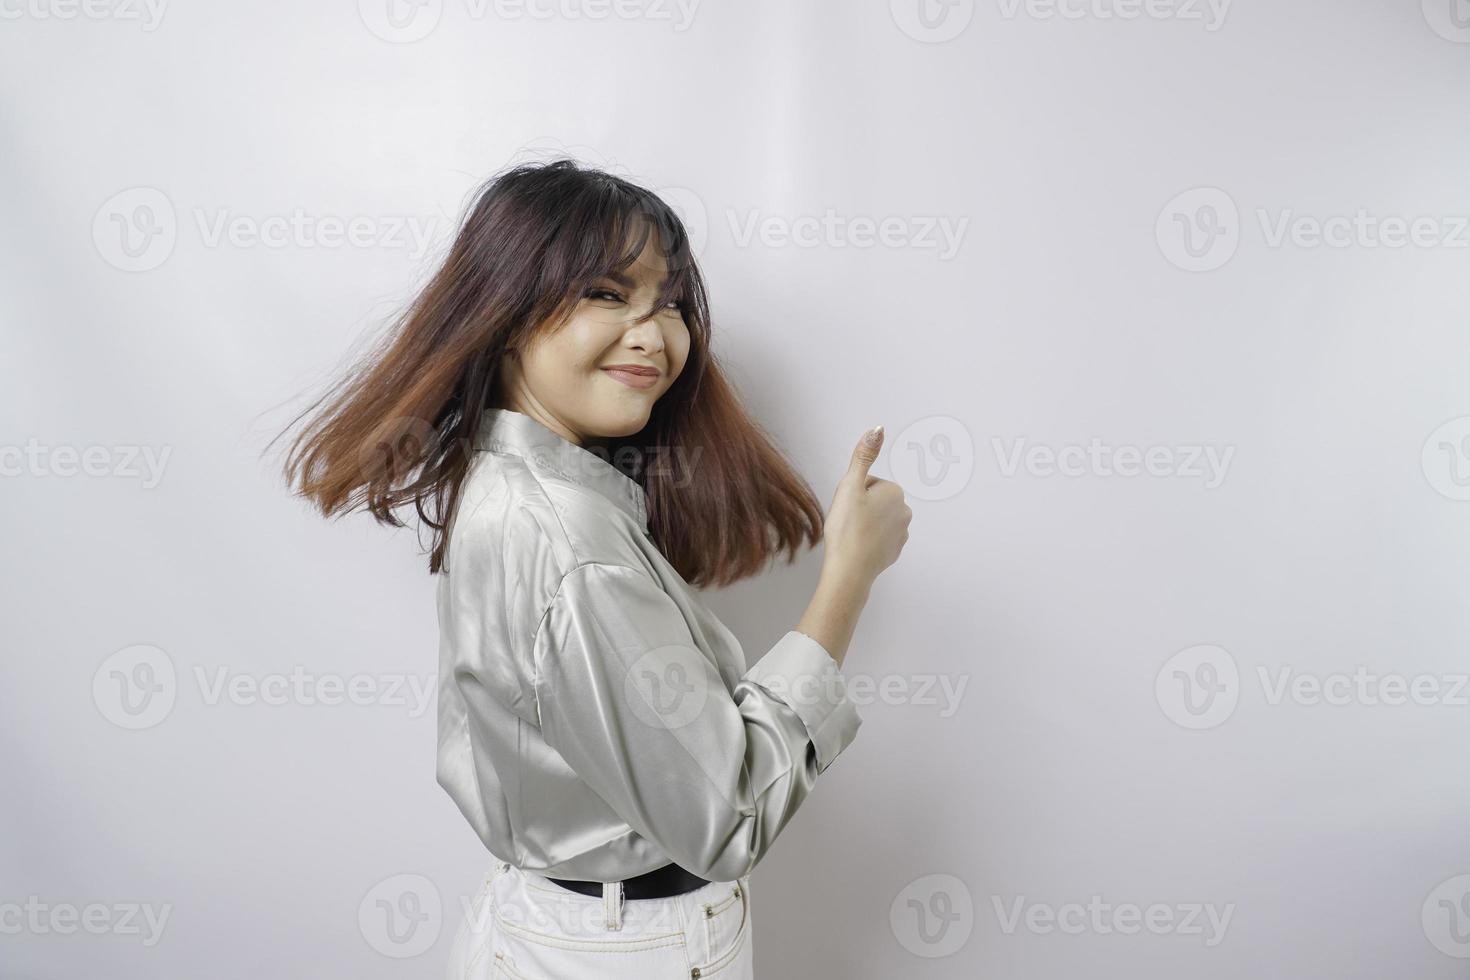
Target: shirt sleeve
point(631, 703)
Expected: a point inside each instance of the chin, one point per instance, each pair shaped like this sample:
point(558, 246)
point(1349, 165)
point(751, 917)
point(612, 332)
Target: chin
point(616, 425)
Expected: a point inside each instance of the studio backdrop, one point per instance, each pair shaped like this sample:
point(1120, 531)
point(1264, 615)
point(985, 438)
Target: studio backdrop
point(1162, 304)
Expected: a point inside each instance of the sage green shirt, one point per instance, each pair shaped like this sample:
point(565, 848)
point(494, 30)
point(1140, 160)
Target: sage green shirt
point(596, 720)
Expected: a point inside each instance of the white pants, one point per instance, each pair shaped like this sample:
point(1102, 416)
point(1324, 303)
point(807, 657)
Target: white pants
point(523, 926)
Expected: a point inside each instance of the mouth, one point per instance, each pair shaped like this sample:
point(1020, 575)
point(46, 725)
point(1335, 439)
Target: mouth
point(633, 375)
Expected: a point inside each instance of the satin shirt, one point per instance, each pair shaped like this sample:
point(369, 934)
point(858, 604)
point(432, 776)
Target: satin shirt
point(596, 720)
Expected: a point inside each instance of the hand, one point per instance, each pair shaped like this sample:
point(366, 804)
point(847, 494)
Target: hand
point(867, 525)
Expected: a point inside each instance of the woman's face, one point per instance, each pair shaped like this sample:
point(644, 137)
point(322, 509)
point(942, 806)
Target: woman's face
point(566, 379)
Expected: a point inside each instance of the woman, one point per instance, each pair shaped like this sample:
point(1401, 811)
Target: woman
point(551, 407)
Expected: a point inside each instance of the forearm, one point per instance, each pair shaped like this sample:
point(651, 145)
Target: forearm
point(832, 616)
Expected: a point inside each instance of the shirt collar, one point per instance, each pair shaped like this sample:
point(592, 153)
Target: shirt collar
point(508, 431)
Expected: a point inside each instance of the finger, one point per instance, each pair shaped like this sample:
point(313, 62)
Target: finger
point(864, 455)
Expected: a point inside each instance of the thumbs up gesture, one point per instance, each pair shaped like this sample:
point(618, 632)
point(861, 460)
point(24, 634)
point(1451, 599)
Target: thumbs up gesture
point(868, 522)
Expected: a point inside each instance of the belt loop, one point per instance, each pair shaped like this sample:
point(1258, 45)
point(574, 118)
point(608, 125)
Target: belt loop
point(612, 904)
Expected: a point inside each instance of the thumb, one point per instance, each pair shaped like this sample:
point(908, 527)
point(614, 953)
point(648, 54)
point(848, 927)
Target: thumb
point(864, 455)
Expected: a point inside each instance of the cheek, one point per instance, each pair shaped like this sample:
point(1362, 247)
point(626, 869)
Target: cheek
point(678, 349)
point(578, 346)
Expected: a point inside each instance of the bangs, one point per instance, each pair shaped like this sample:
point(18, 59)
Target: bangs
point(607, 229)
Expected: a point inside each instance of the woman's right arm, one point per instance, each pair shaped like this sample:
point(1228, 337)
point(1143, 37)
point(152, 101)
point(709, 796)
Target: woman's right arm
point(866, 528)
point(643, 716)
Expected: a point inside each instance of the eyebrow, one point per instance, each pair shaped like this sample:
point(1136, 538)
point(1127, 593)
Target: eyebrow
point(627, 281)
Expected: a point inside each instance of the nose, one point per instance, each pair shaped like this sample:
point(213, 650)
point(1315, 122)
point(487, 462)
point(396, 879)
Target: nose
point(647, 336)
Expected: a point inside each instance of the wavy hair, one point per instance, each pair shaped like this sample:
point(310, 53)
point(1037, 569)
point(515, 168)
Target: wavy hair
point(399, 428)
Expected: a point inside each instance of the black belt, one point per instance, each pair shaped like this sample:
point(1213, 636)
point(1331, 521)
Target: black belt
point(658, 883)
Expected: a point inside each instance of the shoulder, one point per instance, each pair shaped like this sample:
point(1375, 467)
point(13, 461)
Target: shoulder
point(532, 517)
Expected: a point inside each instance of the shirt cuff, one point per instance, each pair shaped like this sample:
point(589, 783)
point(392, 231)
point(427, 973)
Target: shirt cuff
point(799, 672)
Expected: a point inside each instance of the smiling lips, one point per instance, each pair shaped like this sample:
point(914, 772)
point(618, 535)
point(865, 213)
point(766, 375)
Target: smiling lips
point(634, 375)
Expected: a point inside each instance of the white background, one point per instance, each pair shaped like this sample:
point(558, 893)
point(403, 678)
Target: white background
point(1080, 608)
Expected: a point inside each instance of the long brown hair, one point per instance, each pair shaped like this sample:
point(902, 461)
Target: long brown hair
point(400, 427)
